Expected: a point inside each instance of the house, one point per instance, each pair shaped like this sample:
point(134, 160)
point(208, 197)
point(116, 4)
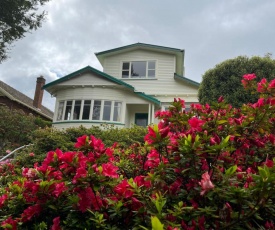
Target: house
point(136, 81)
point(16, 100)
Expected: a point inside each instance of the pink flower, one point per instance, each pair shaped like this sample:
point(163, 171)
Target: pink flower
point(81, 172)
point(141, 181)
point(30, 212)
point(272, 84)
point(59, 189)
point(81, 141)
point(124, 189)
point(56, 224)
point(31, 154)
point(196, 124)
point(9, 224)
point(205, 183)
point(269, 163)
point(88, 200)
point(109, 170)
point(262, 85)
point(3, 198)
point(249, 77)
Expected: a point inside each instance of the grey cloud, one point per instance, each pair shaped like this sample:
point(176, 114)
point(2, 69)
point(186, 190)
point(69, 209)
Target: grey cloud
point(209, 31)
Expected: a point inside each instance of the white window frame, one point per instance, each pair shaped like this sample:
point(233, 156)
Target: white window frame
point(138, 77)
point(91, 110)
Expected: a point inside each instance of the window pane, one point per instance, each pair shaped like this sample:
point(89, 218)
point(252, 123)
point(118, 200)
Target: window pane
point(138, 69)
point(126, 65)
point(60, 110)
point(68, 110)
point(117, 111)
point(151, 73)
point(77, 106)
point(125, 74)
point(151, 65)
point(86, 110)
point(107, 110)
point(96, 110)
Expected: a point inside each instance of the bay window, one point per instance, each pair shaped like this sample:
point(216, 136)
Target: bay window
point(94, 110)
point(139, 69)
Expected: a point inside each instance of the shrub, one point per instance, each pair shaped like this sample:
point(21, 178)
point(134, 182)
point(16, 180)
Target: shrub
point(47, 139)
point(210, 168)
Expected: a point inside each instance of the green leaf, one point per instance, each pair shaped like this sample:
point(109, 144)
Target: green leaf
point(230, 171)
point(156, 224)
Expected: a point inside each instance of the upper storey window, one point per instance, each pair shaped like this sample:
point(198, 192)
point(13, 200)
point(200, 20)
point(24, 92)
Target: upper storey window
point(139, 69)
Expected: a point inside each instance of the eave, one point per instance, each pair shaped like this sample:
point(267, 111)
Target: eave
point(50, 86)
point(186, 80)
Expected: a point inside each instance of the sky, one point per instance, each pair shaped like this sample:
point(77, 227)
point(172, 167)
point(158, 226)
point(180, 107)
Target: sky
point(210, 32)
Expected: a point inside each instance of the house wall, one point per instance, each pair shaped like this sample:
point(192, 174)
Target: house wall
point(163, 84)
point(107, 93)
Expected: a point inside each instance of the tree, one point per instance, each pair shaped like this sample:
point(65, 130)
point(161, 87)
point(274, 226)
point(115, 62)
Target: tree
point(225, 79)
point(16, 18)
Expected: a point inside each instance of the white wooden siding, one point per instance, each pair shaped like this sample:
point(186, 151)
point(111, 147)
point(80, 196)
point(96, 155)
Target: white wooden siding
point(163, 84)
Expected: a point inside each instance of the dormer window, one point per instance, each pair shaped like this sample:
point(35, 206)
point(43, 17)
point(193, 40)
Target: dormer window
point(139, 69)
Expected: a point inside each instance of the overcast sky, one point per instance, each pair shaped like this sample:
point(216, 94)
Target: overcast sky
point(210, 31)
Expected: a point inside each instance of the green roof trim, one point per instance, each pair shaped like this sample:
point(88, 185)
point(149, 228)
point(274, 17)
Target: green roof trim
point(149, 98)
point(187, 80)
point(87, 69)
point(104, 75)
point(138, 45)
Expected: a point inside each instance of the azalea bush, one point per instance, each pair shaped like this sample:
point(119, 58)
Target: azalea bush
point(210, 168)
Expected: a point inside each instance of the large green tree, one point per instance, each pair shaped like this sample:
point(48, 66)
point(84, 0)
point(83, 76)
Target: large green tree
point(17, 17)
point(225, 79)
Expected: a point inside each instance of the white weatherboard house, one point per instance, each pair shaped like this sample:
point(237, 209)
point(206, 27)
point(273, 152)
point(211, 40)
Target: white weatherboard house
point(137, 80)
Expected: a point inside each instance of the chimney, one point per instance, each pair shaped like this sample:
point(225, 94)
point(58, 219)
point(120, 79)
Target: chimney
point(37, 101)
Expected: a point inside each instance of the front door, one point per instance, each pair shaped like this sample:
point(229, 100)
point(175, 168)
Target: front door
point(141, 119)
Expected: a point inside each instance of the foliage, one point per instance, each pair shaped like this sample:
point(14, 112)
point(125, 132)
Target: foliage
point(15, 128)
point(17, 18)
point(224, 80)
point(47, 139)
point(210, 168)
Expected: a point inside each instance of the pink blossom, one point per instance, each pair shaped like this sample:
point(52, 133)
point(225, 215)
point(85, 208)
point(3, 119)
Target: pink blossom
point(56, 224)
point(261, 85)
point(249, 77)
point(81, 141)
point(109, 170)
point(272, 84)
point(205, 183)
point(9, 224)
point(196, 124)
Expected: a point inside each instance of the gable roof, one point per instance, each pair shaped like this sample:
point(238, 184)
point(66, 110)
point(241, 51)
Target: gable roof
point(102, 75)
point(21, 98)
point(179, 53)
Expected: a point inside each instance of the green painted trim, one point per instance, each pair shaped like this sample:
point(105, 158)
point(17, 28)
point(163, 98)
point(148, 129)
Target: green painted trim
point(187, 80)
point(149, 98)
point(137, 45)
point(104, 75)
point(87, 122)
point(87, 69)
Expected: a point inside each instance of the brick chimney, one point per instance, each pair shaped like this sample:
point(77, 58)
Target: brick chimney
point(38, 96)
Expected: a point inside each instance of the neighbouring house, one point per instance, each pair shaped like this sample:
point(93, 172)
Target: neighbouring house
point(16, 100)
point(136, 81)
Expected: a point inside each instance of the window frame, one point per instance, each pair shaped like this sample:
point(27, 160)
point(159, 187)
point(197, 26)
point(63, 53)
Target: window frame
point(129, 70)
point(110, 111)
